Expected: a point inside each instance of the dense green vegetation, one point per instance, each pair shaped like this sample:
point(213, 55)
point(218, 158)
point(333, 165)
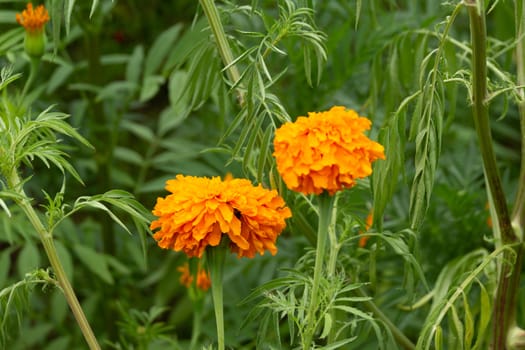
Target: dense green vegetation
point(127, 95)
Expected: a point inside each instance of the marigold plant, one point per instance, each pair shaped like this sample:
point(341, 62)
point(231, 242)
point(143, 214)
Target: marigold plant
point(325, 151)
point(33, 20)
point(200, 210)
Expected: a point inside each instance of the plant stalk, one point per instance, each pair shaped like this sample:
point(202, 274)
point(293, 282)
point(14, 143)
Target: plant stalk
point(212, 14)
point(504, 316)
point(34, 63)
point(49, 247)
point(325, 206)
point(334, 248)
point(518, 214)
point(215, 259)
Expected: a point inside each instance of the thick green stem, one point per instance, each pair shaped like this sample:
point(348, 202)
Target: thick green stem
point(212, 14)
point(518, 214)
point(325, 206)
point(509, 275)
point(334, 248)
point(49, 247)
point(215, 259)
point(481, 119)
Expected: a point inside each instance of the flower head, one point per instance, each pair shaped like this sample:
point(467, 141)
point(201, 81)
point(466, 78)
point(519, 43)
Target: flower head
point(200, 210)
point(33, 21)
point(325, 151)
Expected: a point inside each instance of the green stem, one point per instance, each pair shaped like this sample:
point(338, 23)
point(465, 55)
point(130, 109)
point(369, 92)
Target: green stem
point(197, 320)
point(33, 69)
point(481, 119)
point(518, 214)
point(212, 14)
point(49, 247)
point(334, 248)
point(399, 336)
point(325, 207)
point(215, 257)
point(504, 316)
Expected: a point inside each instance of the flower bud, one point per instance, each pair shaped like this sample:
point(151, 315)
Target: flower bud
point(33, 20)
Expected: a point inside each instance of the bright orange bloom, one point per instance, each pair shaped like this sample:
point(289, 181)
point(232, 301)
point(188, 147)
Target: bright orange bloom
point(325, 151)
point(368, 223)
point(203, 280)
point(33, 20)
point(186, 279)
point(200, 210)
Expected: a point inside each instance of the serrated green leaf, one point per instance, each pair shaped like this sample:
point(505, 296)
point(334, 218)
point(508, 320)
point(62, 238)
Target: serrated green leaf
point(94, 5)
point(115, 89)
point(457, 329)
point(139, 130)
point(178, 86)
point(150, 87)
point(5, 207)
point(438, 339)
point(28, 260)
point(134, 66)
point(94, 261)
point(60, 75)
point(160, 49)
point(327, 325)
point(484, 317)
point(264, 152)
point(65, 258)
point(5, 265)
point(128, 155)
point(468, 324)
point(69, 5)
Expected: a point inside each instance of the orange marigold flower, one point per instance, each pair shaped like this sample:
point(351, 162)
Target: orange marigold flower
point(203, 280)
point(200, 210)
point(186, 279)
point(368, 223)
point(325, 151)
point(33, 19)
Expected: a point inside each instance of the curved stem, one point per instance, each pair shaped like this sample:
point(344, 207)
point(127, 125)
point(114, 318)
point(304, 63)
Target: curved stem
point(49, 247)
point(325, 207)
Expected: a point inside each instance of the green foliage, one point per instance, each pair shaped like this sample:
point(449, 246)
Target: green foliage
point(145, 95)
point(14, 299)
